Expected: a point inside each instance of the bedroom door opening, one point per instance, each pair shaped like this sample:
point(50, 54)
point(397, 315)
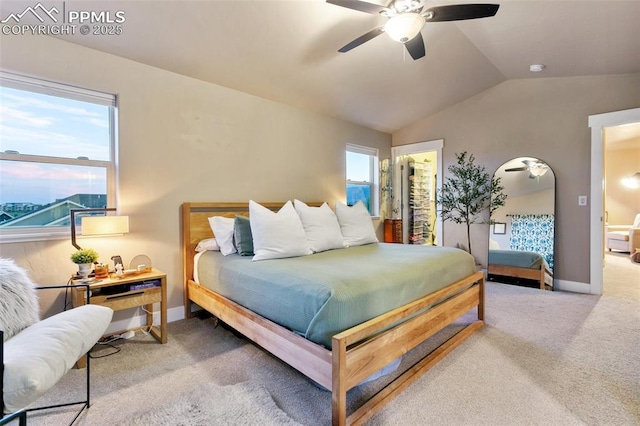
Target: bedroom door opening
point(599, 124)
point(621, 198)
point(415, 183)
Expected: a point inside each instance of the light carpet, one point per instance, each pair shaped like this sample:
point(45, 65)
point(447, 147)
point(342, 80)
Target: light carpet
point(244, 403)
point(543, 358)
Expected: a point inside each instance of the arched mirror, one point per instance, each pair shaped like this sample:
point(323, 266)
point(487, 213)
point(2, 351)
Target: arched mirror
point(521, 238)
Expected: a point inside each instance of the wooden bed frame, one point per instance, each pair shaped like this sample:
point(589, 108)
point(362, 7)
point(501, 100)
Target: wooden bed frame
point(544, 276)
point(357, 352)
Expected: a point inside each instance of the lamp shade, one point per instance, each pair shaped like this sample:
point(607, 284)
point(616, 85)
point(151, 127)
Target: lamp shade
point(105, 225)
point(404, 27)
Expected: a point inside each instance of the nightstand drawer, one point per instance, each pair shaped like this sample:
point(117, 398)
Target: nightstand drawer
point(129, 299)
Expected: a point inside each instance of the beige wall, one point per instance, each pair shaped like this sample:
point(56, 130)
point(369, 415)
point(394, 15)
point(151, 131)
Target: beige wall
point(622, 203)
point(545, 118)
point(180, 140)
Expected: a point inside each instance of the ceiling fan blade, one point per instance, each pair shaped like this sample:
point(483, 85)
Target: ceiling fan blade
point(359, 5)
point(415, 46)
point(460, 12)
point(517, 169)
point(362, 39)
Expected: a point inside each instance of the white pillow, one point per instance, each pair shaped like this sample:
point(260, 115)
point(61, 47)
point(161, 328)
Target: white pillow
point(321, 226)
point(208, 244)
point(277, 235)
point(355, 224)
point(222, 228)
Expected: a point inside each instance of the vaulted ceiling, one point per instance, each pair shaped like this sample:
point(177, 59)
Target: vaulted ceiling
point(286, 50)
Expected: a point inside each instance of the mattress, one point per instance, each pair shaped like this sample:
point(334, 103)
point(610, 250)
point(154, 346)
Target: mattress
point(325, 293)
point(518, 259)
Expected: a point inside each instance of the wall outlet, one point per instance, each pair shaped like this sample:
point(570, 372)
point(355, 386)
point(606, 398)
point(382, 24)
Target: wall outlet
point(582, 200)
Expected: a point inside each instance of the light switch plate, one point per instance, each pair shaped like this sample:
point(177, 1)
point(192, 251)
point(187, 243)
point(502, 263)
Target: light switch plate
point(582, 200)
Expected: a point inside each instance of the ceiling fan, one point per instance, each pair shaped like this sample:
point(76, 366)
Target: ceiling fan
point(407, 17)
point(535, 168)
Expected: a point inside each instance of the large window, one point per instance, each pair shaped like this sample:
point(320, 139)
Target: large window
point(362, 176)
point(57, 152)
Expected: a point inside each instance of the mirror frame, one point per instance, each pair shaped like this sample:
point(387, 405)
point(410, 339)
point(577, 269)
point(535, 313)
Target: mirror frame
point(505, 264)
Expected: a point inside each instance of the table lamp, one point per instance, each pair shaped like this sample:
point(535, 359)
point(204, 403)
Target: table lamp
point(96, 226)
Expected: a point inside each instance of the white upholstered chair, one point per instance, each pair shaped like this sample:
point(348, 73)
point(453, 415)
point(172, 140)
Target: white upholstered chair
point(36, 353)
point(624, 237)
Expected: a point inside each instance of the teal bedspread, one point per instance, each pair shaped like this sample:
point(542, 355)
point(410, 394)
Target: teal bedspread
point(325, 293)
point(519, 259)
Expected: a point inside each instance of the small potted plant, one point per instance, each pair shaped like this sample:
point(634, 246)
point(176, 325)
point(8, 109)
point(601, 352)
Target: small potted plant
point(84, 258)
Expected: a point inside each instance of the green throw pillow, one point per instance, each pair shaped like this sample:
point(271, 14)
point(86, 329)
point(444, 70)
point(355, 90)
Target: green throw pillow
point(242, 236)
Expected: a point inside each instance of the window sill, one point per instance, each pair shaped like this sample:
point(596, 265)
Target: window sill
point(24, 236)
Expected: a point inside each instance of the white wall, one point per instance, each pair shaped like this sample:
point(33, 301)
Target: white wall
point(182, 139)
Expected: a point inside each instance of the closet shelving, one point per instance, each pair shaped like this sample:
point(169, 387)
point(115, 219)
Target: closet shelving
point(420, 185)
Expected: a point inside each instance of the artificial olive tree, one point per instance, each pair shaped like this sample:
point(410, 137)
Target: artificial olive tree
point(468, 192)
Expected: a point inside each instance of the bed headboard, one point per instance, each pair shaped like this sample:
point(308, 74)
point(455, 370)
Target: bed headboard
point(195, 227)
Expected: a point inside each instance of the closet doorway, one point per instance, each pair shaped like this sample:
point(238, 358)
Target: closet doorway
point(416, 175)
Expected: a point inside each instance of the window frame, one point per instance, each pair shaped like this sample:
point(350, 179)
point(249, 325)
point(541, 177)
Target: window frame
point(374, 183)
point(41, 86)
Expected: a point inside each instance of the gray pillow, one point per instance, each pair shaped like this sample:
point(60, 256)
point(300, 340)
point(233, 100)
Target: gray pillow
point(243, 239)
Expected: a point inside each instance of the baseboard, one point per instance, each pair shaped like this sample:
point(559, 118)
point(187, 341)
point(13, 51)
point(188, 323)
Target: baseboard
point(572, 286)
point(173, 314)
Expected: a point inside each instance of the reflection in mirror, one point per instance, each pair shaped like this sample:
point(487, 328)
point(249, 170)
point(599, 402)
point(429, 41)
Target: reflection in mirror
point(521, 239)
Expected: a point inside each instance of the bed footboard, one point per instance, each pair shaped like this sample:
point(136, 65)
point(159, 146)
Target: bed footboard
point(543, 275)
point(355, 354)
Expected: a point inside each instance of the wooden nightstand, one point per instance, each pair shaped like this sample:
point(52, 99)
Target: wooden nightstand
point(128, 292)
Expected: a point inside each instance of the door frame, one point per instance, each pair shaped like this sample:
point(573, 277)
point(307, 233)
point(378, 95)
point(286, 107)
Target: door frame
point(419, 147)
point(598, 123)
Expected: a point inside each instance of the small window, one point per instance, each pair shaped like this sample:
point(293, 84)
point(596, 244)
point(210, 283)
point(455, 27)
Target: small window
point(362, 176)
point(57, 149)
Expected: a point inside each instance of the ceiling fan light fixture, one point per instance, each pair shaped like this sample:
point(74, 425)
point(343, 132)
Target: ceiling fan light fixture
point(537, 170)
point(404, 27)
